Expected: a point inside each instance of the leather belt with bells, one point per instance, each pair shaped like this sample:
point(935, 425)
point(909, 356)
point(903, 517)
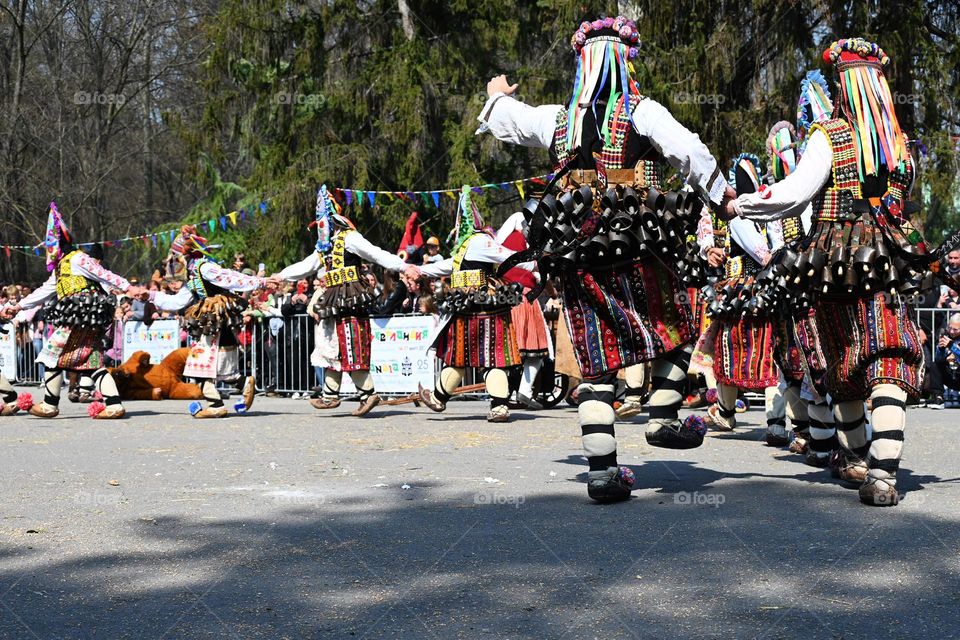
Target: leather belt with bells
point(468, 279)
point(578, 177)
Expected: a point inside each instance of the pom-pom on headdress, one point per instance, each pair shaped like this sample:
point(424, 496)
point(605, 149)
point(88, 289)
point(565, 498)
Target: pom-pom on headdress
point(867, 104)
point(744, 174)
point(189, 242)
point(604, 48)
point(56, 231)
point(782, 149)
point(815, 104)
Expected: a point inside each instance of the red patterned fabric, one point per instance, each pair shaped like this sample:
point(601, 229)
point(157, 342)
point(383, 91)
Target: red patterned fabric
point(531, 328)
point(743, 355)
point(625, 315)
point(789, 355)
point(353, 336)
point(484, 340)
point(868, 341)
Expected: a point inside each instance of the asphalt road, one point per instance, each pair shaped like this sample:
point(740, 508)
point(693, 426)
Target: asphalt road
point(408, 524)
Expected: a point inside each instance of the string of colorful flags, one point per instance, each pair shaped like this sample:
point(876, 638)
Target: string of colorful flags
point(431, 197)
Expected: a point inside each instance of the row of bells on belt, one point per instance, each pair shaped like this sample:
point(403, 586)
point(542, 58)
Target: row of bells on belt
point(504, 295)
point(344, 306)
point(741, 299)
point(88, 309)
point(627, 227)
point(867, 269)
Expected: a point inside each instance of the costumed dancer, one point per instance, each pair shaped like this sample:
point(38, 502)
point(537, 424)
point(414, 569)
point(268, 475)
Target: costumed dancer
point(608, 145)
point(86, 298)
point(743, 330)
point(343, 308)
point(212, 318)
point(533, 336)
point(10, 402)
point(476, 325)
point(861, 260)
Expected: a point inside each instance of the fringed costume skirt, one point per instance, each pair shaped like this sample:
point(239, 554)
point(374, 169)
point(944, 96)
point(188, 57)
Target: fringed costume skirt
point(625, 315)
point(353, 337)
point(487, 340)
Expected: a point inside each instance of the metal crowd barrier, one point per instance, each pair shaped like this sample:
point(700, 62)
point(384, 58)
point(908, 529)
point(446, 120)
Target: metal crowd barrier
point(278, 351)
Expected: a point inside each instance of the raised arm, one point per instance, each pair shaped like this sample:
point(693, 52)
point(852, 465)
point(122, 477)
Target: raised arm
point(682, 149)
point(89, 268)
point(303, 269)
point(172, 302)
point(746, 234)
point(438, 269)
point(229, 279)
point(41, 294)
point(358, 245)
point(790, 196)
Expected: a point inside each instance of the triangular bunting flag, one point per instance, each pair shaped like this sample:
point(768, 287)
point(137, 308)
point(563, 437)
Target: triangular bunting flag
point(233, 217)
point(519, 184)
point(436, 199)
point(223, 222)
point(372, 197)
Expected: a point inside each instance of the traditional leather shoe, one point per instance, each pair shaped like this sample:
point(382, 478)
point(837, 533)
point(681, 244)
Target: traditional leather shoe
point(800, 442)
point(776, 440)
point(325, 403)
point(817, 459)
point(847, 467)
point(673, 434)
point(8, 409)
point(211, 412)
point(366, 406)
point(528, 402)
point(113, 413)
point(427, 398)
point(612, 485)
point(249, 391)
point(879, 489)
point(719, 421)
point(499, 413)
point(629, 408)
point(44, 410)
point(86, 398)
point(73, 396)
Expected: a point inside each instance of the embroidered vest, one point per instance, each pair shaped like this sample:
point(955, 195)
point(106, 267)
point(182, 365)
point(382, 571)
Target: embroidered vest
point(626, 150)
point(835, 203)
point(344, 266)
point(468, 273)
point(69, 283)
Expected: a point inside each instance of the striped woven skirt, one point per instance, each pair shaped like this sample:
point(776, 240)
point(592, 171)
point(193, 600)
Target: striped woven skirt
point(625, 315)
point(485, 340)
point(789, 355)
point(744, 353)
point(74, 349)
point(353, 338)
point(868, 341)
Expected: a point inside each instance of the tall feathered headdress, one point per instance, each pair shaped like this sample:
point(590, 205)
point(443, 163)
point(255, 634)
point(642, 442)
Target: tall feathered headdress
point(56, 228)
point(469, 221)
point(604, 48)
point(815, 104)
point(329, 216)
point(782, 149)
point(867, 104)
point(189, 242)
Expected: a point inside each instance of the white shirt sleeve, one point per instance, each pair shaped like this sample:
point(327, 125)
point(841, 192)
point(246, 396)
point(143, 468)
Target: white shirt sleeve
point(483, 248)
point(681, 147)
point(790, 196)
point(172, 302)
point(745, 233)
point(84, 265)
point(512, 121)
point(513, 223)
point(438, 269)
point(229, 279)
point(41, 294)
point(303, 269)
point(358, 245)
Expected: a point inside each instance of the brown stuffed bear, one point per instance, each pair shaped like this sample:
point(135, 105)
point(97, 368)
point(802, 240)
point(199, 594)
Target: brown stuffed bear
point(137, 379)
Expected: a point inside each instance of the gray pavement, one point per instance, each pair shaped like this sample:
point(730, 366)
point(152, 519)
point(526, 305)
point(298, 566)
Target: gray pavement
point(409, 524)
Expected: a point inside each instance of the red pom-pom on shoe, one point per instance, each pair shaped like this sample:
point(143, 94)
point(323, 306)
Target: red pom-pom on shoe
point(95, 408)
point(98, 396)
point(25, 401)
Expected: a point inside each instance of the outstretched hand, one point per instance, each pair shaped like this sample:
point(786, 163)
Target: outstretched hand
point(726, 211)
point(7, 313)
point(499, 84)
point(412, 272)
point(273, 282)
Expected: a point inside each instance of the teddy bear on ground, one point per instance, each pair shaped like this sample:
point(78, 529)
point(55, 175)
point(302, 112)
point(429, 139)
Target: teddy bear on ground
point(137, 379)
